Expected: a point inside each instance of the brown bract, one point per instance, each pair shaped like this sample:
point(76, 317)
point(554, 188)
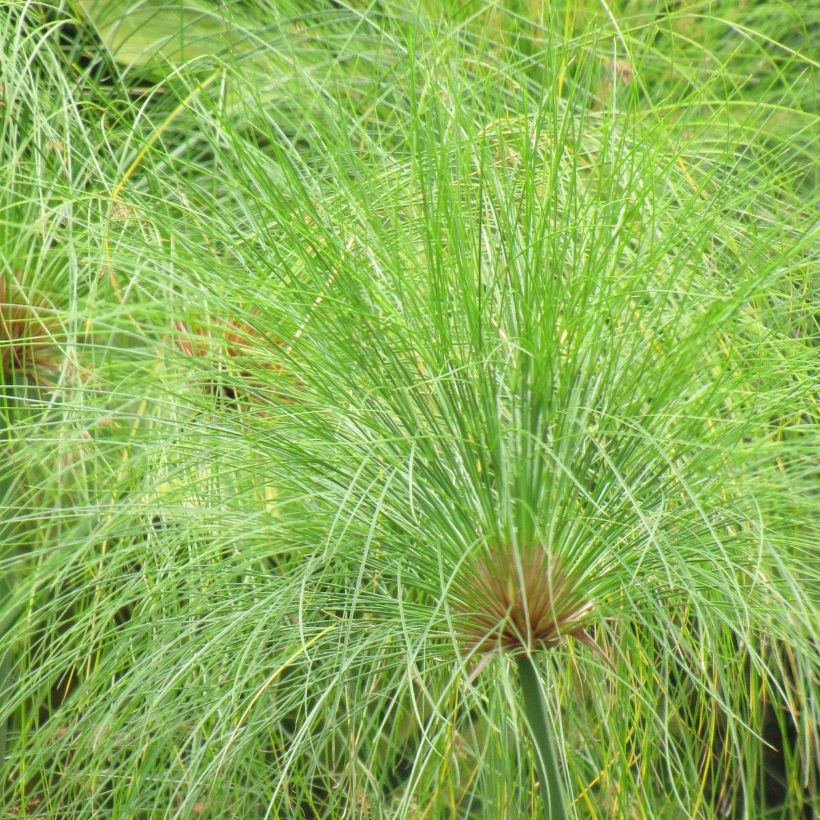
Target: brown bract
point(239, 341)
point(25, 338)
point(200, 342)
point(519, 603)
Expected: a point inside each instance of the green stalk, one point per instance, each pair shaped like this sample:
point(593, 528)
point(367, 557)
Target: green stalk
point(538, 723)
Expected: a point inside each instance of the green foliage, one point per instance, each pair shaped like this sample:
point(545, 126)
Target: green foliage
point(366, 325)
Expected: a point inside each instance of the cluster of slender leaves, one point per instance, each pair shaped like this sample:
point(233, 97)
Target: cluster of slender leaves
point(369, 347)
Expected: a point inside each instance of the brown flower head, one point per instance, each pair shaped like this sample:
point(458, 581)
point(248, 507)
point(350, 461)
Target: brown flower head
point(519, 602)
point(203, 344)
point(26, 339)
point(243, 347)
point(200, 342)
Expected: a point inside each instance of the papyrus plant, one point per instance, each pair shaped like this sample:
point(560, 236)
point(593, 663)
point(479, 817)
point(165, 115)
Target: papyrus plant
point(553, 353)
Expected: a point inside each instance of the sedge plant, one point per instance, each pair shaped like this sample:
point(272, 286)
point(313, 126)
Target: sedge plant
point(498, 498)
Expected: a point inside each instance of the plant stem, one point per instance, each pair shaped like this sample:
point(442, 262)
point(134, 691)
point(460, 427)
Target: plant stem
point(538, 723)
